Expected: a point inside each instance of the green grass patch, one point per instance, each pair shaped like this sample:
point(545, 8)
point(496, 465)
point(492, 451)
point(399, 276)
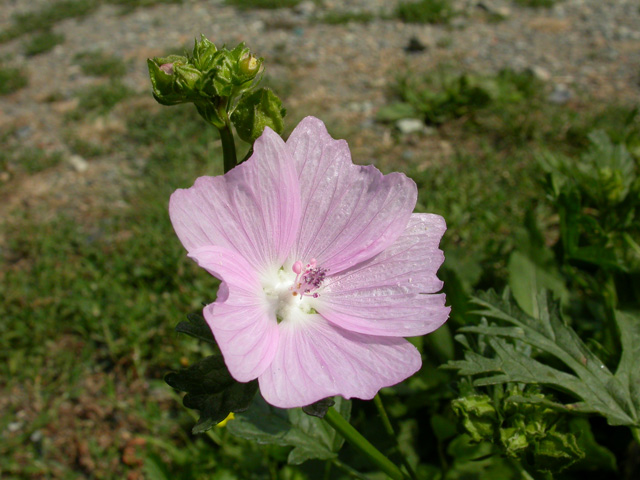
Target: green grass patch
point(57, 11)
point(12, 79)
point(446, 95)
point(33, 159)
point(100, 99)
point(268, 4)
point(119, 280)
point(341, 18)
point(42, 42)
point(47, 17)
point(425, 11)
point(537, 3)
point(100, 64)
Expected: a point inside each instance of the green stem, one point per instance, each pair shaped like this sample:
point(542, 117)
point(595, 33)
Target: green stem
point(635, 431)
point(351, 435)
point(392, 434)
point(228, 148)
point(347, 469)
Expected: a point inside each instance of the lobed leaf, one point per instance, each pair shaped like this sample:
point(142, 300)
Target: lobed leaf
point(616, 397)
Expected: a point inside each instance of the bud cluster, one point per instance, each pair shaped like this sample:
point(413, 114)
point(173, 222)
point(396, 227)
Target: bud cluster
point(221, 83)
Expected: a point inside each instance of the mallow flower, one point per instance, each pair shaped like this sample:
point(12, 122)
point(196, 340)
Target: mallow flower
point(323, 267)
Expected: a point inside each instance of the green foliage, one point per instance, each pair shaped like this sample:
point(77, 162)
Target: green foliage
point(100, 64)
point(425, 11)
point(498, 360)
point(212, 390)
point(523, 428)
point(256, 111)
point(446, 96)
point(309, 436)
point(12, 79)
point(263, 3)
point(42, 42)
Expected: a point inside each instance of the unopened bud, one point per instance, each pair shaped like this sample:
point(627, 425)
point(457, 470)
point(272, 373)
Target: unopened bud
point(249, 65)
point(167, 68)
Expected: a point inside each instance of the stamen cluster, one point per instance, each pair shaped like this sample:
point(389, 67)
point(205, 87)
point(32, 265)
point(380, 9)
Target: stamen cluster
point(309, 279)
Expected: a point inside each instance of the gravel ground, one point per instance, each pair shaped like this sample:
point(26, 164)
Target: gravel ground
point(341, 73)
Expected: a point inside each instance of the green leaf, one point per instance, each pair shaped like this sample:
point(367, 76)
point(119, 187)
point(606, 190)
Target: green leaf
point(311, 437)
point(596, 456)
point(526, 278)
point(197, 327)
point(616, 397)
point(256, 111)
point(212, 390)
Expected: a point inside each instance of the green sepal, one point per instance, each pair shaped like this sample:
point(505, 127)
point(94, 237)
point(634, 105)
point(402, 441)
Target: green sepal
point(256, 111)
point(212, 390)
point(319, 408)
point(196, 327)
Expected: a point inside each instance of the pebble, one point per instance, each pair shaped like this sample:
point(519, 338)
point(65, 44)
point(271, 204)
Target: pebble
point(560, 94)
point(79, 164)
point(410, 125)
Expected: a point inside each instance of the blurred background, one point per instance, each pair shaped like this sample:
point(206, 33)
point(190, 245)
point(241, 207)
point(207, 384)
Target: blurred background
point(464, 96)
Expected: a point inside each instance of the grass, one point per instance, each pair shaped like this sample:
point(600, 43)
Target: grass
point(341, 18)
point(100, 99)
point(42, 42)
point(425, 11)
point(12, 79)
point(247, 4)
point(47, 17)
point(537, 3)
point(100, 64)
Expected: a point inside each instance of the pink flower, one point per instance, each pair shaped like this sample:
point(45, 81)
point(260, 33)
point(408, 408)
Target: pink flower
point(324, 268)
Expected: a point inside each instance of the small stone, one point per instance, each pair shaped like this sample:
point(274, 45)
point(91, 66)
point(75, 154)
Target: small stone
point(78, 163)
point(14, 426)
point(410, 125)
point(561, 94)
point(305, 8)
point(540, 73)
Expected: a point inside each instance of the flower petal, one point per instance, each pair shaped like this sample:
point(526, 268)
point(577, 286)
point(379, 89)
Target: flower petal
point(391, 294)
point(349, 213)
point(241, 319)
point(316, 359)
point(254, 209)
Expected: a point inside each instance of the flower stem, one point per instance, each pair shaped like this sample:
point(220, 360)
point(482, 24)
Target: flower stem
point(351, 435)
point(392, 434)
point(228, 148)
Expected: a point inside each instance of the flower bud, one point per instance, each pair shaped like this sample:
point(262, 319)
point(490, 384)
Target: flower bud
point(249, 65)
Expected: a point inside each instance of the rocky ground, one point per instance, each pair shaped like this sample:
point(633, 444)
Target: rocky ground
point(342, 73)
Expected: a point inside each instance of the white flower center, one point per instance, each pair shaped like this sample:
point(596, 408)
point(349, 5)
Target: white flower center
point(291, 293)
